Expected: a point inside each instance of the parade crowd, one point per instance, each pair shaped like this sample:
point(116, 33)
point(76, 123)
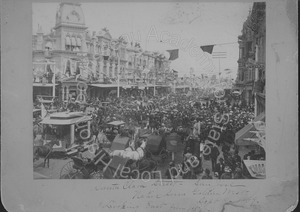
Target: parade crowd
point(190, 116)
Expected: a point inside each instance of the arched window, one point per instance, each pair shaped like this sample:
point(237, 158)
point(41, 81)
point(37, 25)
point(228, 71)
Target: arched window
point(68, 43)
point(73, 43)
point(78, 42)
point(77, 68)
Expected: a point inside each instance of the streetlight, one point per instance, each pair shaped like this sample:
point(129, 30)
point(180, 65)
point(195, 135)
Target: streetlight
point(118, 89)
point(155, 76)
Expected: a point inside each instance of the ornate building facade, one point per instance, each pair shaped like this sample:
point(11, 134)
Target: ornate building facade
point(252, 58)
point(70, 54)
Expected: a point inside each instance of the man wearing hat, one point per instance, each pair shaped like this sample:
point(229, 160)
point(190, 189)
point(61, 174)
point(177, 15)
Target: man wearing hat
point(219, 168)
point(171, 170)
point(197, 128)
point(213, 156)
point(131, 153)
point(207, 175)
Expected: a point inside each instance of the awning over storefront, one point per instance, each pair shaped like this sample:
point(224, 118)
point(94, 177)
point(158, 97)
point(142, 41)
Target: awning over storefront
point(182, 86)
point(68, 41)
point(245, 132)
point(105, 85)
point(49, 120)
point(43, 84)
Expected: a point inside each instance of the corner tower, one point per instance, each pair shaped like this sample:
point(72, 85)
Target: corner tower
point(70, 27)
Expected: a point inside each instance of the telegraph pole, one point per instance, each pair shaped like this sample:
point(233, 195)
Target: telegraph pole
point(118, 88)
point(219, 55)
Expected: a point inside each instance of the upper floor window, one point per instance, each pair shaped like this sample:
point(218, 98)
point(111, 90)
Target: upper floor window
point(73, 43)
point(48, 46)
point(68, 43)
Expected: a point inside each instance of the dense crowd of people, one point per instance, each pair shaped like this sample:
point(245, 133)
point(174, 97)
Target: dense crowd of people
point(171, 111)
point(178, 113)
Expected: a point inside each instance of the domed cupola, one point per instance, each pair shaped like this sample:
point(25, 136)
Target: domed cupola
point(69, 14)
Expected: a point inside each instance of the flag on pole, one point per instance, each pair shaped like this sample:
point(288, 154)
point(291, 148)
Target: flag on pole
point(208, 48)
point(173, 54)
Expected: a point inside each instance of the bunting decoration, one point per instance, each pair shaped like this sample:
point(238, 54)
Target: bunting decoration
point(208, 48)
point(173, 54)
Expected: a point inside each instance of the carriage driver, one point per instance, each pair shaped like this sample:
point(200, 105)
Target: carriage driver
point(132, 153)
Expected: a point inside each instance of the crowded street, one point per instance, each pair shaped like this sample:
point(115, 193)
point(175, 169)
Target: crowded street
point(163, 115)
point(109, 106)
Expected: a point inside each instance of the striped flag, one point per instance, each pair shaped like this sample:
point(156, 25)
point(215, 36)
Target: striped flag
point(217, 55)
point(173, 54)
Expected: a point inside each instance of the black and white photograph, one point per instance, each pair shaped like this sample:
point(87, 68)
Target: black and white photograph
point(149, 106)
point(149, 90)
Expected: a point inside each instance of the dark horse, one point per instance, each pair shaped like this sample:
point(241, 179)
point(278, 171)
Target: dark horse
point(44, 151)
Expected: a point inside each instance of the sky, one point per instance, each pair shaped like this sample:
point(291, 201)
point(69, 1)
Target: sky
point(166, 26)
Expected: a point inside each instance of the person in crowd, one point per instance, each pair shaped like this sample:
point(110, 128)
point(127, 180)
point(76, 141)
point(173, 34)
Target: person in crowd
point(250, 155)
point(219, 169)
point(238, 173)
point(171, 172)
point(131, 153)
point(207, 174)
point(197, 128)
point(236, 157)
point(173, 112)
point(227, 173)
point(214, 156)
point(101, 138)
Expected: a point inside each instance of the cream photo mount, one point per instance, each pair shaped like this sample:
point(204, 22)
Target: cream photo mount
point(278, 192)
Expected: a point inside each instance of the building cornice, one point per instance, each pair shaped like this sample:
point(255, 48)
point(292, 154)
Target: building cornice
point(70, 26)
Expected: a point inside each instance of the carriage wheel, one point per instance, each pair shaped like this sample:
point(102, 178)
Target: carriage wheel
point(68, 172)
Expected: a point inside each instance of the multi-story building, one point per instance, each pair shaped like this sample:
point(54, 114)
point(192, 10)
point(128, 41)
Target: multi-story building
point(252, 57)
point(71, 61)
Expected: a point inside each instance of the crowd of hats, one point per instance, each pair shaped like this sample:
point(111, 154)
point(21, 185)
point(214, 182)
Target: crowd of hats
point(172, 111)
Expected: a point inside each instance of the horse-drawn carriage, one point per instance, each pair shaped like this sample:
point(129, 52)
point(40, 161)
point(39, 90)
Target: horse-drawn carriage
point(113, 129)
point(85, 168)
point(107, 165)
point(56, 134)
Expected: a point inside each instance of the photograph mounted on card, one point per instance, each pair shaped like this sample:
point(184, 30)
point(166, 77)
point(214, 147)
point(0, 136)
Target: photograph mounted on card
point(201, 120)
point(149, 106)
